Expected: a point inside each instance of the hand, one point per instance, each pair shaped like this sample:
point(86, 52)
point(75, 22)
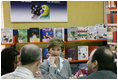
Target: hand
point(74, 77)
point(52, 60)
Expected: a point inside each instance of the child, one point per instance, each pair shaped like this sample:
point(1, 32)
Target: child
point(56, 67)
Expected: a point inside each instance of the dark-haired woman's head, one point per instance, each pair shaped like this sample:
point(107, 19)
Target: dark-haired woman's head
point(8, 60)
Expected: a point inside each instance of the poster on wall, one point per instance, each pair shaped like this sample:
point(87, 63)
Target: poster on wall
point(38, 11)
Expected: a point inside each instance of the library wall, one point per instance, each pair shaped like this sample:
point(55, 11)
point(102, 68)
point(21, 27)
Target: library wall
point(80, 13)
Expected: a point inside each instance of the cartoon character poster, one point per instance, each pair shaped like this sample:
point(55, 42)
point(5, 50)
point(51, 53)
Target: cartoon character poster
point(38, 11)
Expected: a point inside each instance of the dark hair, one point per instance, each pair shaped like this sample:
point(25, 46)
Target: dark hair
point(29, 54)
point(8, 58)
point(105, 58)
point(55, 41)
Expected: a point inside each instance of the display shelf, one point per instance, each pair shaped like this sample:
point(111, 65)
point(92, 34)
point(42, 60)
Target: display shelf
point(111, 43)
point(34, 43)
point(115, 8)
point(78, 61)
point(47, 42)
point(87, 40)
point(8, 44)
point(111, 24)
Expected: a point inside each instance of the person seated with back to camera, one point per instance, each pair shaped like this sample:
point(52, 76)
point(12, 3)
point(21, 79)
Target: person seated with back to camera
point(56, 67)
point(30, 56)
point(100, 64)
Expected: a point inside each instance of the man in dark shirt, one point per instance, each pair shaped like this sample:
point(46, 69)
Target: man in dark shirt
point(100, 64)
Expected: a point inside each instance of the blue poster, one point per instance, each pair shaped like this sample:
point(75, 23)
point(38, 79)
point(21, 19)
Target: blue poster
point(38, 11)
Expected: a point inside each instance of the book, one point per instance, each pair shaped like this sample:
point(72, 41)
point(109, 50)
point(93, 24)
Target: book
point(59, 32)
point(115, 18)
point(63, 54)
point(34, 35)
point(92, 33)
point(111, 15)
point(109, 36)
point(82, 69)
point(112, 34)
point(6, 35)
point(74, 68)
point(47, 34)
point(72, 33)
point(91, 48)
point(102, 31)
point(112, 4)
point(45, 53)
point(109, 4)
point(22, 35)
point(108, 18)
point(72, 53)
point(82, 33)
point(115, 36)
point(82, 52)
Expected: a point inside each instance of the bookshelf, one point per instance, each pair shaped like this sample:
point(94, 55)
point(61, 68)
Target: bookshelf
point(114, 25)
point(47, 42)
point(112, 43)
point(8, 44)
point(34, 43)
point(110, 19)
point(67, 44)
point(71, 61)
point(86, 41)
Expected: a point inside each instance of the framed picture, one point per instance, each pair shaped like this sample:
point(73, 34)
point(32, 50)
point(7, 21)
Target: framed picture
point(38, 11)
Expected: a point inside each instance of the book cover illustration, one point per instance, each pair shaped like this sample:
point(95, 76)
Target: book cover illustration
point(63, 54)
point(6, 35)
point(72, 33)
point(40, 12)
point(59, 32)
point(102, 31)
point(82, 52)
point(47, 34)
point(83, 69)
point(72, 53)
point(82, 33)
point(45, 53)
point(34, 34)
point(111, 34)
point(22, 35)
point(92, 33)
point(74, 68)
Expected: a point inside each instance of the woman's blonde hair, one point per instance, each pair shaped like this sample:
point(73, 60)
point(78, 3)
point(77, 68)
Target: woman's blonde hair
point(55, 41)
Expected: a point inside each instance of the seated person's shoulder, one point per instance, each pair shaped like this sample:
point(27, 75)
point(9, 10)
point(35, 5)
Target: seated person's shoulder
point(44, 64)
point(8, 76)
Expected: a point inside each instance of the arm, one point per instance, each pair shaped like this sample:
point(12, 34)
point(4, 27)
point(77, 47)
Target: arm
point(69, 70)
point(48, 72)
